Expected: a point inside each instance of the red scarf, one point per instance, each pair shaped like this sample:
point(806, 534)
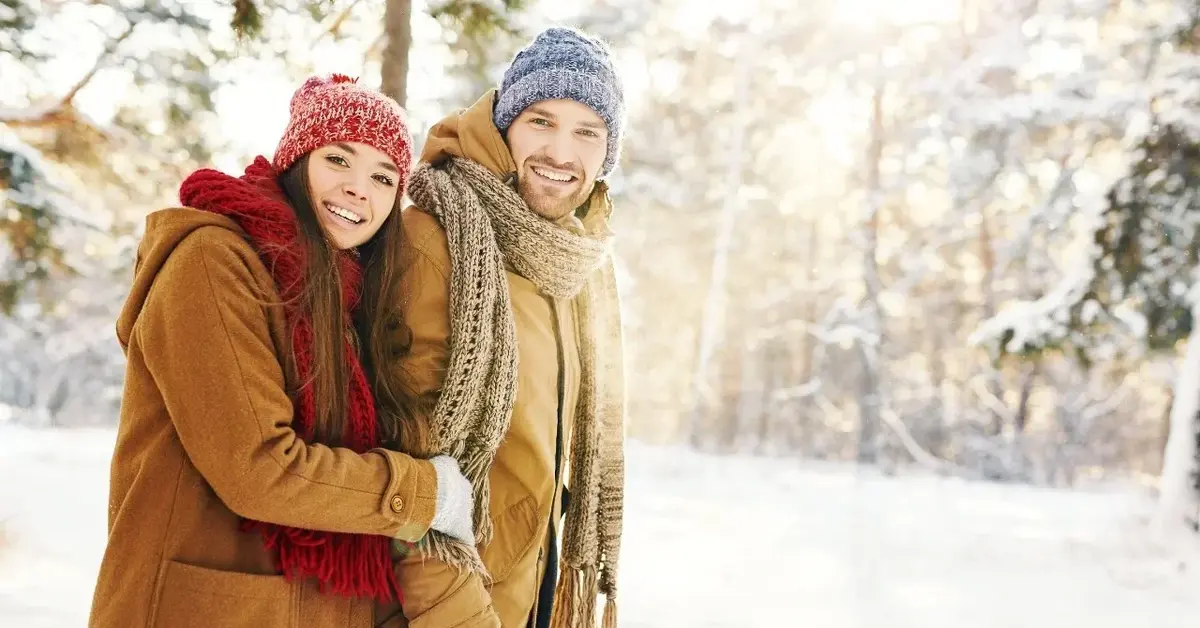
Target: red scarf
point(345, 564)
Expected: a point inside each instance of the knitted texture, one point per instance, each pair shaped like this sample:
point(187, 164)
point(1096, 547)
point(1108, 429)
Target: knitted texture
point(487, 223)
point(326, 110)
point(564, 63)
point(346, 564)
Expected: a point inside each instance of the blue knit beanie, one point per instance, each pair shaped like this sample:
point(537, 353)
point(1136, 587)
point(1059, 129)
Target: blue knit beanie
point(564, 63)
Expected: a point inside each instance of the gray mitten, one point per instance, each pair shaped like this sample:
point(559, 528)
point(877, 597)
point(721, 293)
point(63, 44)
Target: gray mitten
point(454, 514)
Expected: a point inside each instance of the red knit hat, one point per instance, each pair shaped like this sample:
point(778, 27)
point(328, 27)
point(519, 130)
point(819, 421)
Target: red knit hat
point(329, 109)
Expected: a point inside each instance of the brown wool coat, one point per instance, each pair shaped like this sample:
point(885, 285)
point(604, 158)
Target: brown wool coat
point(205, 439)
point(525, 497)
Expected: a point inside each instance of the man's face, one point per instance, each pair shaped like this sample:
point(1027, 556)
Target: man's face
point(559, 147)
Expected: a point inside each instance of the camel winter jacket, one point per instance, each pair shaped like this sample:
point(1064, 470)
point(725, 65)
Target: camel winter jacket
point(205, 440)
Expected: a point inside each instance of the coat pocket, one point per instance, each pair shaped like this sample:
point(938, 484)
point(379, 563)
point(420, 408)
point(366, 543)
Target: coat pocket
point(515, 534)
point(195, 597)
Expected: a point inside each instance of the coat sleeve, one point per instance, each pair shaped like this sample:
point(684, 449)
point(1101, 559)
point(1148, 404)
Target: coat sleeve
point(206, 341)
point(436, 595)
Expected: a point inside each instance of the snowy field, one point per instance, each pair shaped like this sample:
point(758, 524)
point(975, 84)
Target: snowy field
point(720, 542)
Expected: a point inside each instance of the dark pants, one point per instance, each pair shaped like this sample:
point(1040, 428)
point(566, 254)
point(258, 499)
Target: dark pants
point(550, 578)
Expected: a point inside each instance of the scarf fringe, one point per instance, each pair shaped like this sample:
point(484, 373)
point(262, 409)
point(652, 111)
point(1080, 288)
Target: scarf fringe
point(610, 612)
point(575, 599)
point(476, 468)
point(343, 565)
point(455, 553)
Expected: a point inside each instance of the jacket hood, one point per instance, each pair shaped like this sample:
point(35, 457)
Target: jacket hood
point(165, 229)
point(470, 134)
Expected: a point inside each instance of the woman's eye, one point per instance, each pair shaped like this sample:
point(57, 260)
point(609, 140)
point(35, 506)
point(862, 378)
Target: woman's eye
point(540, 122)
point(385, 180)
point(336, 159)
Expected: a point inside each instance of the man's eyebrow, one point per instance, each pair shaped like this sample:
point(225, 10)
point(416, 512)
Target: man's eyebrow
point(542, 112)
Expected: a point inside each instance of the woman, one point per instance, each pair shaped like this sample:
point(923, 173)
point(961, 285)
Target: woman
point(254, 480)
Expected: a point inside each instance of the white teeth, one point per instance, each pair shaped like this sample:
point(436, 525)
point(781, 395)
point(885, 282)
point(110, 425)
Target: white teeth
point(553, 176)
point(344, 213)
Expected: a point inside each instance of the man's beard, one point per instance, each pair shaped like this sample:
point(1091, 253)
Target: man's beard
point(551, 207)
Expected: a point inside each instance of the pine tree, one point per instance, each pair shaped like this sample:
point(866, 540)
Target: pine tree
point(1140, 275)
point(73, 189)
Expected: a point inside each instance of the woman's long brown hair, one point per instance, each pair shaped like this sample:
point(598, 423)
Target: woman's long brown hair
point(378, 328)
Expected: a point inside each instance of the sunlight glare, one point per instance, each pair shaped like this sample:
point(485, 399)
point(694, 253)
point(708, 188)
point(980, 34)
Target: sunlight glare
point(875, 12)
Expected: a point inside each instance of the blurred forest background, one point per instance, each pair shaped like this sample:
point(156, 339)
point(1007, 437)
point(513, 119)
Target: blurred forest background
point(960, 234)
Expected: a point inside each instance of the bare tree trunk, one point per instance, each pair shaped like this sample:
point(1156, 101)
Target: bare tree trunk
point(397, 27)
point(938, 435)
point(771, 360)
point(1021, 419)
point(1179, 503)
point(1164, 432)
point(739, 405)
point(872, 353)
point(987, 257)
point(801, 414)
point(706, 389)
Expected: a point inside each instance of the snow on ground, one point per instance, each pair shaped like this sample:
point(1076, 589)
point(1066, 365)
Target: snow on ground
point(724, 542)
point(53, 503)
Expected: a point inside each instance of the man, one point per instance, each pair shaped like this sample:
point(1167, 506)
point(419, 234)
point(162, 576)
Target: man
point(512, 308)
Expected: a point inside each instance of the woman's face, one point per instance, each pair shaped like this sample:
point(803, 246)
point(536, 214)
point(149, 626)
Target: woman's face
point(353, 190)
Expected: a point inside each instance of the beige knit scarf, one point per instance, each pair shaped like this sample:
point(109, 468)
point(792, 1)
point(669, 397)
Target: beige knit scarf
point(488, 224)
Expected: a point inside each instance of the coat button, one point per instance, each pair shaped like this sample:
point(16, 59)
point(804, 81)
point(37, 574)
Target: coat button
point(397, 504)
